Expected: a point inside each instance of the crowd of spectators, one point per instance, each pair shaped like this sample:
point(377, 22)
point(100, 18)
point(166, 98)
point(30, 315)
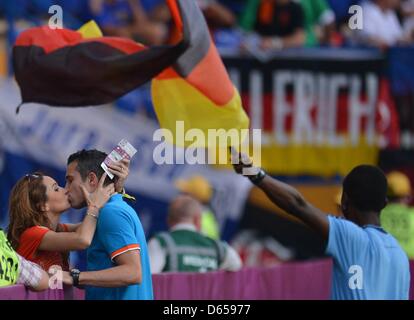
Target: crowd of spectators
point(278, 23)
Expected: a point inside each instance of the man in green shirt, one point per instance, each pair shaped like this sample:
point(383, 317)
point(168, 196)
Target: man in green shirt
point(319, 22)
point(184, 248)
point(199, 188)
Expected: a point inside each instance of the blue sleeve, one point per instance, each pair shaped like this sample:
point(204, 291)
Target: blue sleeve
point(116, 231)
point(346, 239)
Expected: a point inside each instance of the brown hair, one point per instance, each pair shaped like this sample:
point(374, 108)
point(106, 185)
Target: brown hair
point(25, 206)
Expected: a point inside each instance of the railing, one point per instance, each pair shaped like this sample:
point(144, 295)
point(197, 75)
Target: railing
point(289, 281)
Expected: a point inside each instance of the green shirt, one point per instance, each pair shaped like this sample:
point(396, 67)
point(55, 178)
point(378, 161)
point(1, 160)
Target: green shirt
point(312, 10)
point(209, 224)
point(190, 251)
point(398, 219)
point(9, 262)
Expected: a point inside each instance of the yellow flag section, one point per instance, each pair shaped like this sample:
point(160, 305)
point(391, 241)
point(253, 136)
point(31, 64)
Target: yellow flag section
point(175, 99)
point(197, 89)
point(90, 30)
point(322, 160)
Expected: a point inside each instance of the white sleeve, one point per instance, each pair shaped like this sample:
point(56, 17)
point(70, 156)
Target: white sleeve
point(231, 261)
point(157, 256)
point(30, 274)
point(370, 22)
point(327, 17)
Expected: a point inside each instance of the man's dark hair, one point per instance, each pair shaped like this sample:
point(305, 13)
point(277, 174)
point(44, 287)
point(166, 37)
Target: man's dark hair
point(90, 161)
point(366, 188)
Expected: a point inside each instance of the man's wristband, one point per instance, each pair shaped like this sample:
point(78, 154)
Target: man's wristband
point(92, 215)
point(74, 273)
point(256, 179)
point(93, 206)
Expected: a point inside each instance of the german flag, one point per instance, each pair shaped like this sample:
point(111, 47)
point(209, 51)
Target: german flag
point(197, 89)
point(61, 67)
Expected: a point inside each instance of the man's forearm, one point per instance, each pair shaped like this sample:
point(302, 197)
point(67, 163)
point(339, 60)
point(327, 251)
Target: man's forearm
point(289, 199)
point(72, 227)
point(283, 195)
point(119, 276)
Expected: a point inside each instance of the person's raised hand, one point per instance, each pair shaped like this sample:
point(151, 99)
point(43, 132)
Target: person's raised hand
point(121, 170)
point(100, 196)
point(242, 164)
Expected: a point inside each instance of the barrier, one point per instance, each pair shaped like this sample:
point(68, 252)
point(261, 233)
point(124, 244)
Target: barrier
point(20, 292)
point(289, 281)
point(310, 280)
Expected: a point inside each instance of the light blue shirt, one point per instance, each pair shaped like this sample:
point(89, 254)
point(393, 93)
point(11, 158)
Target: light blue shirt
point(368, 263)
point(118, 231)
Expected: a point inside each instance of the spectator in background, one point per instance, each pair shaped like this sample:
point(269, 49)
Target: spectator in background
point(127, 18)
point(280, 23)
point(217, 15)
point(236, 6)
point(75, 12)
point(319, 22)
point(341, 9)
point(407, 13)
point(18, 270)
point(381, 27)
point(200, 189)
point(397, 217)
point(184, 248)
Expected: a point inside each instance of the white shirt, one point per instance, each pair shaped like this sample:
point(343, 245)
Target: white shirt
point(383, 25)
point(158, 255)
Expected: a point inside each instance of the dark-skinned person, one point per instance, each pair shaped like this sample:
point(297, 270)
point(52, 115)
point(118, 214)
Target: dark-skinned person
point(368, 262)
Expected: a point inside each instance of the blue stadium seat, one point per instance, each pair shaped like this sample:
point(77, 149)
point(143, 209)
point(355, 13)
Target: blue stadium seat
point(341, 7)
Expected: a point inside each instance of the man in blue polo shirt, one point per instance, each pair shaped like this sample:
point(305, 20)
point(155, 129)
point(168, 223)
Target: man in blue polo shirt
point(368, 261)
point(118, 261)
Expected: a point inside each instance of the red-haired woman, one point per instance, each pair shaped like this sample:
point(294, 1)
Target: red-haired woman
point(36, 204)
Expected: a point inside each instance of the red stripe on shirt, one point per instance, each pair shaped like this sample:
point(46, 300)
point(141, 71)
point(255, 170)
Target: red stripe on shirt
point(125, 249)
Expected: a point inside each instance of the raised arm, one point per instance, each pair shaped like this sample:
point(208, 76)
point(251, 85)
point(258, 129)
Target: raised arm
point(292, 201)
point(70, 227)
point(288, 198)
point(82, 237)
